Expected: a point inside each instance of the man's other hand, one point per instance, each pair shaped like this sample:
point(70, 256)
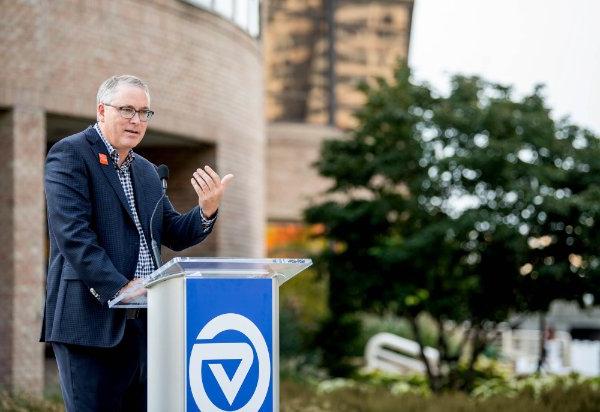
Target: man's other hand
point(210, 188)
point(133, 290)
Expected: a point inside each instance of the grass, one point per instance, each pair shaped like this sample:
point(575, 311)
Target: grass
point(355, 397)
point(300, 397)
point(26, 403)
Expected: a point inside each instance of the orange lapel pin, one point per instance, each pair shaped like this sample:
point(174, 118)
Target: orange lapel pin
point(103, 158)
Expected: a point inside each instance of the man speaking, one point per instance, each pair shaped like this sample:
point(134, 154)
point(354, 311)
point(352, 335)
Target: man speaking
point(100, 198)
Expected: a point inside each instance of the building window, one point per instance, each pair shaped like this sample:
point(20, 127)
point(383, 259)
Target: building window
point(243, 13)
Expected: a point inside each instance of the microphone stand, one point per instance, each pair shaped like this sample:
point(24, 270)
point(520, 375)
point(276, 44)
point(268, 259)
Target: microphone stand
point(154, 244)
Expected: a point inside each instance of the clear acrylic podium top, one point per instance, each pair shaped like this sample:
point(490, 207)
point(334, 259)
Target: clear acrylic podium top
point(280, 269)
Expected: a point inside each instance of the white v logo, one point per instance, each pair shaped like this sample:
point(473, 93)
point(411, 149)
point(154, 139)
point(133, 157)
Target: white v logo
point(207, 352)
point(227, 351)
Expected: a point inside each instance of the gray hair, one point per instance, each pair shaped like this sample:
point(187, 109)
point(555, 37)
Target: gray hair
point(108, 88)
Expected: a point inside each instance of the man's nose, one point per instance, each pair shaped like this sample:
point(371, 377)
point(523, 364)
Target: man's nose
point(135, 118)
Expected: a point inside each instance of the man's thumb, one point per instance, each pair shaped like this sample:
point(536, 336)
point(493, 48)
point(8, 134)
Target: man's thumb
point(226, 180)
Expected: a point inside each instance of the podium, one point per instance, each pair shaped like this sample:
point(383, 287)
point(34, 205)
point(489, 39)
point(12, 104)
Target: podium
point(213, 333)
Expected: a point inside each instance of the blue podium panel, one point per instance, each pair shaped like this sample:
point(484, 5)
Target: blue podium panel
point(229, 344)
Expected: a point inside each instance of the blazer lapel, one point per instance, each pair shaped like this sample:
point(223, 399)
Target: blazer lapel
point(101, 155)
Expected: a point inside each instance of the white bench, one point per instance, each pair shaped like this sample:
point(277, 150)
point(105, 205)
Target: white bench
point(391, 353)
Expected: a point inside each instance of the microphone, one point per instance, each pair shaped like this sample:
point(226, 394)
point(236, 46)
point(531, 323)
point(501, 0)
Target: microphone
point(163, 174)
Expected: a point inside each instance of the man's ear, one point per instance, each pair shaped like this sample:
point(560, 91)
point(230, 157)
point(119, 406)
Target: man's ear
point(100, 112)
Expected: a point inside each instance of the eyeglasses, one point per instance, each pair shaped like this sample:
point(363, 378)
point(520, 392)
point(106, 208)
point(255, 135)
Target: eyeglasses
point(129, 112)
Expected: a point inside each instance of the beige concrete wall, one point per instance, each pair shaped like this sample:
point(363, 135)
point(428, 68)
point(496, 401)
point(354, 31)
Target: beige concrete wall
point(370, 37)
point(292, 181)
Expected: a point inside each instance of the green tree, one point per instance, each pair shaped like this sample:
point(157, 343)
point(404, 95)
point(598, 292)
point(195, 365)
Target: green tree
point(468, 207)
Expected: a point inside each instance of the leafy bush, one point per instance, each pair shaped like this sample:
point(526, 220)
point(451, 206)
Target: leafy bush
point(537, 386)
point(26, 403)
point(411, 394)
point(302, 368)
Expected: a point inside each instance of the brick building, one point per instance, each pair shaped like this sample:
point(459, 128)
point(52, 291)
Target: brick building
point(316, 52)
point(205, 72)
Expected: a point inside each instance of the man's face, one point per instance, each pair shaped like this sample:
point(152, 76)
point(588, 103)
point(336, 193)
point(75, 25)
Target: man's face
point(123, 134)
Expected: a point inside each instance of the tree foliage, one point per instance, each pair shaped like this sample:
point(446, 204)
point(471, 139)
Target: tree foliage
point(467, 206)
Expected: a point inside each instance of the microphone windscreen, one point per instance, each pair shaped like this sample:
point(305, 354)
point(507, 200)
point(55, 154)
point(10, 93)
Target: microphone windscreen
point(163, 172)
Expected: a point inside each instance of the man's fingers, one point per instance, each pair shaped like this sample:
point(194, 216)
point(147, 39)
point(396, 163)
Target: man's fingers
point(139, 291)
point(136, 293)
point(197, 187)
point(134, 285)
point(134, 290)
point(201, 181)
point(213, 174)
point(199, 191)
point(210, 187)
point(212, 178)
point(209, 180)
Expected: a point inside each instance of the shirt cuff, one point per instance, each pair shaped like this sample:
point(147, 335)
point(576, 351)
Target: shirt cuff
point(207, 223)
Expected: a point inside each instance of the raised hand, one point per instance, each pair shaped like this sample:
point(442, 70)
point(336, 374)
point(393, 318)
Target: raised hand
point(210, 188)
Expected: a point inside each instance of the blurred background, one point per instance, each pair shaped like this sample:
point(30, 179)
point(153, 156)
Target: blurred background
point(438, 160)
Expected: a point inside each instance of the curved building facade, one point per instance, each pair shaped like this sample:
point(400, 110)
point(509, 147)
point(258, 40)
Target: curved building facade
point(206, 84)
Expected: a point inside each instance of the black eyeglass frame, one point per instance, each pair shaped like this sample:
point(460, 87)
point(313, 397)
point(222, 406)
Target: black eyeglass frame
point(147, 112)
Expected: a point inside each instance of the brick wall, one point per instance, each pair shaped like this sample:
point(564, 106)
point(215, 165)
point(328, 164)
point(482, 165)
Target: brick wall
point(23, 243)
point(7, 279)
point(206, 82)
point(205, 76)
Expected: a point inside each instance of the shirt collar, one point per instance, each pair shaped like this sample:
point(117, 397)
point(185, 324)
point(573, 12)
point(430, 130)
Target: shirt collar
point(112, 152)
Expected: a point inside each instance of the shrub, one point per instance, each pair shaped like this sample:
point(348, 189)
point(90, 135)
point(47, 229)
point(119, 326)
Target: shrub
point(553, 395)
point(27, 403)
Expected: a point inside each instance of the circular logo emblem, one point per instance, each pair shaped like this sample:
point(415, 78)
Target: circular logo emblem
point(227, 351)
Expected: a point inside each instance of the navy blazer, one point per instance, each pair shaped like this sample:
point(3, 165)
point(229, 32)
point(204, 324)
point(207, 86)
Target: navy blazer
point(94, 243)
